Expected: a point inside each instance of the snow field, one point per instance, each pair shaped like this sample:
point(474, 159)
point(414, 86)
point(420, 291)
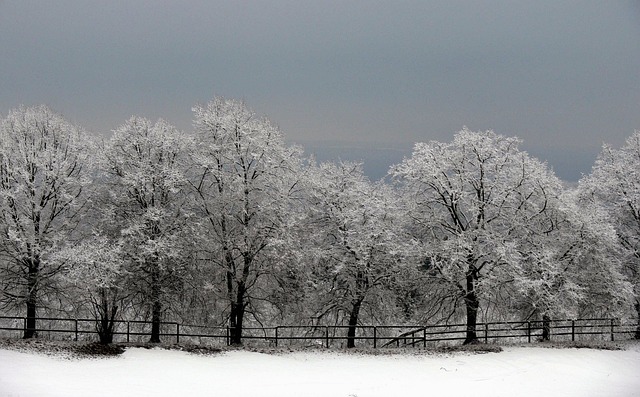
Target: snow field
point(517, 371)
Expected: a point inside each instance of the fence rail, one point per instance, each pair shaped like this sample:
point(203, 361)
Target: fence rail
point(328, 336)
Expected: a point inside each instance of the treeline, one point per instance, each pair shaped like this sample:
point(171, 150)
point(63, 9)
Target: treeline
point(228, 225)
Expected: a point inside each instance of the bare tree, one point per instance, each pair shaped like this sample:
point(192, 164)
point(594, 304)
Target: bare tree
point(96, 269)
point(615, 185)
point(471, 202)
point(244, 178)
point(144, 166)
point(44, 168)
point(359, 244)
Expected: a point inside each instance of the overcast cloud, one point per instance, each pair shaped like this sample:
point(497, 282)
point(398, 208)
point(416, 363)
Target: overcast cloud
point(355, 79)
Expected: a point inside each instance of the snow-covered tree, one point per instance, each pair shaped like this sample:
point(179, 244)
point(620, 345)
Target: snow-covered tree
point(244, 178)
point(145, 179)
point(44, 168)
point(573, 271)
point(358, 243)
point(96, 269)
point(473, 203)
point(614, 183)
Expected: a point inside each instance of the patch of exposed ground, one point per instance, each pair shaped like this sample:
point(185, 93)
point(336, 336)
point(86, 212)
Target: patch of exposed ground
point(71, 349)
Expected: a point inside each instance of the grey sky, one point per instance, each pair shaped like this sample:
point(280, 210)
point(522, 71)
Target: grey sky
point(344, 78)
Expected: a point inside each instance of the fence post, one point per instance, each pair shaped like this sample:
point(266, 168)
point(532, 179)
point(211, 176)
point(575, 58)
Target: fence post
point(375, 335)
point(612, 325)
point(276, 336)
point(573, 330)
point(326, 335)
point(546, 328)
point(424, 337)
point(528, 331)
point(177, 333)
point(128, 328)
point(486, 333)
point(76, 329)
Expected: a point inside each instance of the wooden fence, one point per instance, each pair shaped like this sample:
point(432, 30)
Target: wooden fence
point(328, 336)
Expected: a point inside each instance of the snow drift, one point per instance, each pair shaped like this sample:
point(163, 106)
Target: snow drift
point(517, 371)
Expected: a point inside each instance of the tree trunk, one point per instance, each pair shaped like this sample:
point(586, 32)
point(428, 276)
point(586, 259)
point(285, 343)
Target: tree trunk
point(637, 305)
point(236, 317)
point(32, 300)
point(30, 330)
point(105, 312)
point(472, 304)
point(105, 331)
point(155, 322)
point(353, 323)
point(546, 328)
point(156, 310)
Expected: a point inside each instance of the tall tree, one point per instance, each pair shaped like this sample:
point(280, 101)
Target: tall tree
point(96, 269)
point(144, 166)
point(614, 182)
point(243, 182)
point(44, 168)
point(573, 271)
point(358, 243)
point(472, 200)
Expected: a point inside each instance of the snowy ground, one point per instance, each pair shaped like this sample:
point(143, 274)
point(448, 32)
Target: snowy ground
point(517, 371)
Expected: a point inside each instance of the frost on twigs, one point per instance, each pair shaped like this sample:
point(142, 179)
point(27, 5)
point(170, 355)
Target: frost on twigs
point(45, 171)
